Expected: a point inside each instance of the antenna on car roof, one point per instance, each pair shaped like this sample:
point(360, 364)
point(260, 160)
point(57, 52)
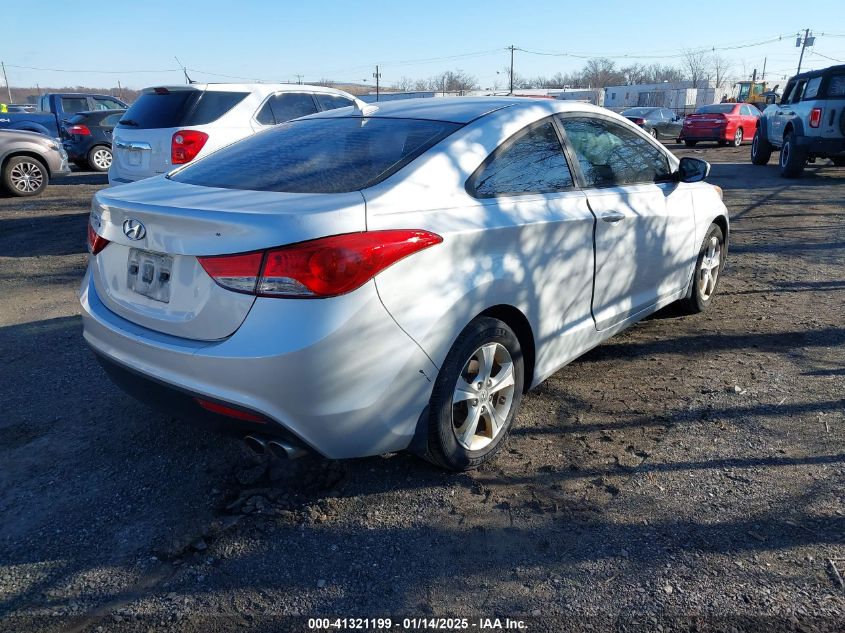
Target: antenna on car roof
point(362, 108)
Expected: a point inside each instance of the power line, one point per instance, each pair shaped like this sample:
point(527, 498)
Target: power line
point(675, 55)
point(103, 72)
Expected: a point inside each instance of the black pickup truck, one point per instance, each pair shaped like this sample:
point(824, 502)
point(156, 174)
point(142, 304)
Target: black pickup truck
point(54, 109)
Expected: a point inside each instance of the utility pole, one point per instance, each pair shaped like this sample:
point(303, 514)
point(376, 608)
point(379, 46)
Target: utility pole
point(511, 48)
point(804, 42)
point(119, 90)
point(298, 78)
point(763, 78)
point(6, 79)
point(377, 75)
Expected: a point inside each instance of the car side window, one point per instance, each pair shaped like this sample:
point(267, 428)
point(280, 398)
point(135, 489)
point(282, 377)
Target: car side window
point(290, 105)
point(798, 92)
point(72, 105)
point(265, 115)
point(531, 161)
point(330, 102)
point(609, 154)
point(836, 87)
point(107, 104)
point(745, 111)
point(812, 88)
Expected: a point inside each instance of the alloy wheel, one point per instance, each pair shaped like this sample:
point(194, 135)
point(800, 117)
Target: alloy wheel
point(26, 177)
point(483, 396)
point(708, 272)
point(101, 159)
point(738, 137)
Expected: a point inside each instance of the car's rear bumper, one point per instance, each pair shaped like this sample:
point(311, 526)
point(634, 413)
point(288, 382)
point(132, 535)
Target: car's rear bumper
point(336, 375)
point(822, 146)
point(705, 135)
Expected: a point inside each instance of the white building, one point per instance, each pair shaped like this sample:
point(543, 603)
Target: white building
point(678, 96)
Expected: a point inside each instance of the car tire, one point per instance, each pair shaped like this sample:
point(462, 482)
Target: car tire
point(25, 176)
point(653, 132)
point(792, 160)
point(467, 424)
point(761, 149)
point(690, 143)
point(738, 137)
point(99, 158)
point(707, 273)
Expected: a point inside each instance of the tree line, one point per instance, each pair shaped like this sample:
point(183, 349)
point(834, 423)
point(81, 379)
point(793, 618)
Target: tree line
point(699, 67)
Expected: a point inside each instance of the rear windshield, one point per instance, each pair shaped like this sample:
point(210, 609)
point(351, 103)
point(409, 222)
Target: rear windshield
point(716, 108)
point(638, 112)
point(318, 155)
point(179, 108)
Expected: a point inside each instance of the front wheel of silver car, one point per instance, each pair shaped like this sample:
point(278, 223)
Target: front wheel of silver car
point(24, 176)
point(476, 396)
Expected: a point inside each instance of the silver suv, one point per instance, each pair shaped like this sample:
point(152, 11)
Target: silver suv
point(28, 160)
point(808, 123)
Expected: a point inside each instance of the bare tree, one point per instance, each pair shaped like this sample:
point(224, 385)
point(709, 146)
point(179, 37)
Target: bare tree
point(657, 74)
point(721, 67)
point(405, 84)
point(601, 72)
point(453, 81)
point(697, 68)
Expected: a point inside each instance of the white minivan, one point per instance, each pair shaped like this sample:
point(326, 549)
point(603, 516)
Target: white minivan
point(169, 126)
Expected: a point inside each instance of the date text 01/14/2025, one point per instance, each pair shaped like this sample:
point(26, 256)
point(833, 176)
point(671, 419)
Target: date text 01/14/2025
point(415, 624)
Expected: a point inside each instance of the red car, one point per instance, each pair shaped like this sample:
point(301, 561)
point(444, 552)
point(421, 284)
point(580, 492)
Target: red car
point(722, 122)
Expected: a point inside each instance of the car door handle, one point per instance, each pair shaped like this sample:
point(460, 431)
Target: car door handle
point(613, 216)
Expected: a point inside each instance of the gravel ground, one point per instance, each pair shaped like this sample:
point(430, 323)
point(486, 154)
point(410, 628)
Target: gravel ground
point(686, 475)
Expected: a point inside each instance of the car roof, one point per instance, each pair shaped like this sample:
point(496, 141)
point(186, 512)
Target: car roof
point(822, 71)
point(261, 89)
point(457, 109)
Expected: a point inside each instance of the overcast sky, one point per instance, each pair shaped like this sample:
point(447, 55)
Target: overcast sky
point(343, 40)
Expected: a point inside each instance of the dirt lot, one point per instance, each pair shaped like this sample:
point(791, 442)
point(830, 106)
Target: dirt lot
point(688, 474)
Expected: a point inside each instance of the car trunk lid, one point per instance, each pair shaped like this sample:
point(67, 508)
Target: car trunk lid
point(149, 273)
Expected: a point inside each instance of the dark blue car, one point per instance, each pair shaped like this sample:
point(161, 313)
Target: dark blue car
point(87, 138)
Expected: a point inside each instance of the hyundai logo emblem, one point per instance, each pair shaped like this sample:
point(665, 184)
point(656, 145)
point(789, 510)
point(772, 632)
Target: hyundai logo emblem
point(133, 229)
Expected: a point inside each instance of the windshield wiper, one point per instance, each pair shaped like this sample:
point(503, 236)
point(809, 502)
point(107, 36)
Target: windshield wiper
point(128, 122)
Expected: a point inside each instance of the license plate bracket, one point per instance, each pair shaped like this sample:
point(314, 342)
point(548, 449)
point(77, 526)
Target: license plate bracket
point(148, 274)
point(133, 157)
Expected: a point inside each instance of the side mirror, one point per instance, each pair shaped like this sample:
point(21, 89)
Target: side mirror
point(693, 169)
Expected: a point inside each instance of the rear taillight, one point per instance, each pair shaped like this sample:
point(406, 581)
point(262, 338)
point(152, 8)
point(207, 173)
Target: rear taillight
point(638, 121)
point(96, 243)
point(235, 272)
point(815, 117)
point(230, 412)
point(185, 146)
point(79, 130)
point(326, 267)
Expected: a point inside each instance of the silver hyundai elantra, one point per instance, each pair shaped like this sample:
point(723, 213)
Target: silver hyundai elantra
point(380, 278)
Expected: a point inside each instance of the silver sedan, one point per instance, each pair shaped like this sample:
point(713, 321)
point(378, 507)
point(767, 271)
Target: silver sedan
point(375, 279)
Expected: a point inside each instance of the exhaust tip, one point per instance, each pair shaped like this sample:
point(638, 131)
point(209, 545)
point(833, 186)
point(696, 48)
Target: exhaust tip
point(284, 450)
point(256, 444)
